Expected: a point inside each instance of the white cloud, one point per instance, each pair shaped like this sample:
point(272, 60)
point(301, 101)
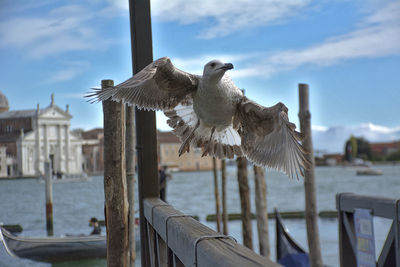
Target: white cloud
point(70, 70)
point(79, 96)
point(332, 139)
point(63, 29)
point(195, 64)
point(378, 35)
point(319, 128)
point(224, 18)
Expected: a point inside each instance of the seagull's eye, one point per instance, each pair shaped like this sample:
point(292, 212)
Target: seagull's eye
point(212, 65)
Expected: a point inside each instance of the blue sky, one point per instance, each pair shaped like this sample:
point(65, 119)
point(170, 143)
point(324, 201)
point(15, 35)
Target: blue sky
point(347, 51)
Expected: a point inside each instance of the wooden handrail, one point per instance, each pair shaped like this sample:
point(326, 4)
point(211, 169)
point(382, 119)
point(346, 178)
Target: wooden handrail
point(346, 203)
point(193, 243)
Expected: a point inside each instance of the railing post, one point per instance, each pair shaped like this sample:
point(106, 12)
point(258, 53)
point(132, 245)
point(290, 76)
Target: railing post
point(115, 191)
point(346, 255)
point(146, 135)
point(397, 233)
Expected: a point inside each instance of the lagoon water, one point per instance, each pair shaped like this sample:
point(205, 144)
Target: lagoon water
point(22, 202)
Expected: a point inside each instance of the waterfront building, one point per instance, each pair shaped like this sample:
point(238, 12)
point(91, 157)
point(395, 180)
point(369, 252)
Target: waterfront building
point(384, 148)
point(168, 155)
point(34, 136)
point(93, 151)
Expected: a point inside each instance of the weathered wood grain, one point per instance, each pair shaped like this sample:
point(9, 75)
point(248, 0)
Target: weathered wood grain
point(182, 232)
point(245, 202)
point(116, 200)
point(309, 179)
point(261, 210)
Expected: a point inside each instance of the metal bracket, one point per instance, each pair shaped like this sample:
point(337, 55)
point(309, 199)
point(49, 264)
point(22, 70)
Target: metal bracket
point(166, 224)
point(200, 238)
point(152, 210)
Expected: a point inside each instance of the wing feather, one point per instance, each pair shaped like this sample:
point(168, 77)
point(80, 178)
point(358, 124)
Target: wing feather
point(158, 86)
point(269, 139)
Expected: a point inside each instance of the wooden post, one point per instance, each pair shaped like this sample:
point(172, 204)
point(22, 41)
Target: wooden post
point(224, 210)
point(146, 134)
point(309, 180)
point(216, 194)
point(115, 181)
point(261, 210)
point(245, 202)
point(49, 197)
point(130, 179)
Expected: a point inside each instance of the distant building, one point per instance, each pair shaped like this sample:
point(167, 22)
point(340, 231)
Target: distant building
point(384, 149)
point(3, 161)
point(333, 159)
point(168, 146)
point(34, 136)
point(93, 151)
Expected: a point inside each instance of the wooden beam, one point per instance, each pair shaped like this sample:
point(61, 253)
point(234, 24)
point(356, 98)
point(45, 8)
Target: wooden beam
point(115, 191)
point(309, 180)
point(387, 256)
point(193, 242)
point(380, 206)
point(146, 134)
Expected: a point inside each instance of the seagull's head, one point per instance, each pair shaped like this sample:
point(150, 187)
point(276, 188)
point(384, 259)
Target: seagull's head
point(215, 69)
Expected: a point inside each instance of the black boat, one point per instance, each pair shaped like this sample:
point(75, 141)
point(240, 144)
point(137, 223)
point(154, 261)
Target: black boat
point(54, 249)
point(288, 252)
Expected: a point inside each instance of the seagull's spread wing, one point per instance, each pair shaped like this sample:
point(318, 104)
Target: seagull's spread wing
point(269, 139)
point(158, 86)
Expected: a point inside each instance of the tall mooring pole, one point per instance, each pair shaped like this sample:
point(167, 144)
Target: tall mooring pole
point(244, 194)
point(146, 134)
point(115, 188)
point(130, 179)
point(309, 179)
point(49, 197)
point(224, 208)
point(260, 188)
point(216, 194)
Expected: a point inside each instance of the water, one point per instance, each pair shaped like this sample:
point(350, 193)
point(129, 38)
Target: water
point(22, 202)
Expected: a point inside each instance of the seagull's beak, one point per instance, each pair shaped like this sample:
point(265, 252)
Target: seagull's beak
point(226, 66)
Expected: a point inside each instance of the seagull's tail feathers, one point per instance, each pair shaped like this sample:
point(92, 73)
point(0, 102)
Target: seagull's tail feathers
point(221, 143)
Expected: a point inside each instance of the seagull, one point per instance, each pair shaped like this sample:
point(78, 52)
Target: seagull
point(210, 112)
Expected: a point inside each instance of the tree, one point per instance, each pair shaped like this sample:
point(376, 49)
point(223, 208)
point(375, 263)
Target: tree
point(357, 147)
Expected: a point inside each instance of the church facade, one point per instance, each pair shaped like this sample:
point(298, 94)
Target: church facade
point(32, 137)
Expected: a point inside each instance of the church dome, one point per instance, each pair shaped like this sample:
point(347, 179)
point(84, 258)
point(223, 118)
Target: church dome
point(3, 103)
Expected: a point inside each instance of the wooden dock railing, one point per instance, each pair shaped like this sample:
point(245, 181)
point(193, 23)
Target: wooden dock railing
point(176, 239)
point(346, 203)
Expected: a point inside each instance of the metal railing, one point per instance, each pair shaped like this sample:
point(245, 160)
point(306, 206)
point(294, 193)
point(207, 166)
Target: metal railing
point(176, 239)
point(346, 203)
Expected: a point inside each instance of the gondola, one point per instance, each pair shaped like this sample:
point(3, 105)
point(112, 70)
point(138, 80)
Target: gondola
point(54, 249)
point(288, 252)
